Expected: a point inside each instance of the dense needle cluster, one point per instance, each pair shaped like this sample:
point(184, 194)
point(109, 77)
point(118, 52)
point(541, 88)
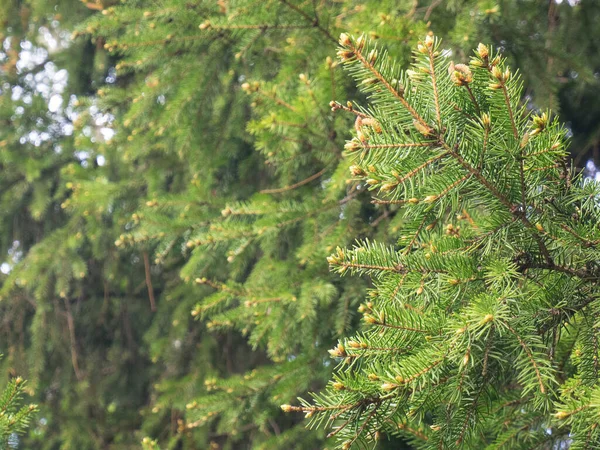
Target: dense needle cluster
point(172, 181)
point(481, 327)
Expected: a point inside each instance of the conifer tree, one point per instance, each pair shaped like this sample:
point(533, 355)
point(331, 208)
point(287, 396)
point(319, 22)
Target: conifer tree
point(220, 194)
point(481, 326)
point(241, 228)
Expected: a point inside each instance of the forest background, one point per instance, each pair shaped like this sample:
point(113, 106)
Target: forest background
point(172, 180)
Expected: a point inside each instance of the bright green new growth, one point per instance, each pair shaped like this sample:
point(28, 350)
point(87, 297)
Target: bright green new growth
point(14, 418)
point(481, 327)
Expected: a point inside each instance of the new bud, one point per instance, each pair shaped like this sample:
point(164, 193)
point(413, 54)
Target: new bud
point(360, 43)
point(460, 74)
point(421, 128)
point(357, 171)
point(497, 73)
point(345, 40)
point(482, 51)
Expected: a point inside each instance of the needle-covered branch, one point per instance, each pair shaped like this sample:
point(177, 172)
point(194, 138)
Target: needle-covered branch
point(491, 285)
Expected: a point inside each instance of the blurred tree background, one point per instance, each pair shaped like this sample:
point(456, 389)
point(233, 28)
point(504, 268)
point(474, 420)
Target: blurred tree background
point(172, 180)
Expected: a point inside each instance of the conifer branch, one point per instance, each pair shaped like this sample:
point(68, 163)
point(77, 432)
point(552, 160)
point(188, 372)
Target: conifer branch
point(404, 145)
point(73, 340)
point(364, 425)
point(347, 265)
point(586, 242)
point(478, 175)
point(262, 26)
point(314, 21)
point(530, 356)
point(453, 185)
point(424, 371)
point(295, 185)
point(412, 431)
point(514, 209)
point(484, 148)
point(282, 103)
point(382, 349)
point(430, 44)
point(149, 281)
point(377, 201)
point(470, 411)
point(374, 321)
point(335, 106)
point(564, 414)
point(399, 96)
point(486, 354)
point(473, 99)
point(339, 428)
point(412, 242)
point(515, 433)
point(418, 169)
point(249, 45)
point(510, 111)
point(255, 302)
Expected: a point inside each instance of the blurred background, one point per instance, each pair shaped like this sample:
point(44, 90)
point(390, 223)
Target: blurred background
point(172, 180)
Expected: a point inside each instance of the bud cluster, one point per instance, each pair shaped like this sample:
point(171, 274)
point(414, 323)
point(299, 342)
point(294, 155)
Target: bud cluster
point(539, 123)
point(336, 258)
point(460, 74)
point(349, 48)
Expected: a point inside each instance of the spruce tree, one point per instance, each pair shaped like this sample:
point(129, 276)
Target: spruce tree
point(241, 229)
point(221, 193)
point(481, 326)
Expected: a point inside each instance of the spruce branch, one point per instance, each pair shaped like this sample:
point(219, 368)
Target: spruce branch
point(312, 20)
point(465, 309)
point(530, 356)
point(295, 185)
point(355, 48)
point(431, 50)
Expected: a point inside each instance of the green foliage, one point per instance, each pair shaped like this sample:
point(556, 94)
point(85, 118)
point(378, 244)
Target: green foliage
point(164, 231)
point(480, 326)
point(14, 418)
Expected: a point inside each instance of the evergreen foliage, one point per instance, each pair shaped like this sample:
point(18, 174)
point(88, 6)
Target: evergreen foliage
point(481, 326)
point(14, 417)
point(164, 231)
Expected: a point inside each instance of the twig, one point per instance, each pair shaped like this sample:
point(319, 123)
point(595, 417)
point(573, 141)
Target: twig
point(149, 281)
point(296, 185)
